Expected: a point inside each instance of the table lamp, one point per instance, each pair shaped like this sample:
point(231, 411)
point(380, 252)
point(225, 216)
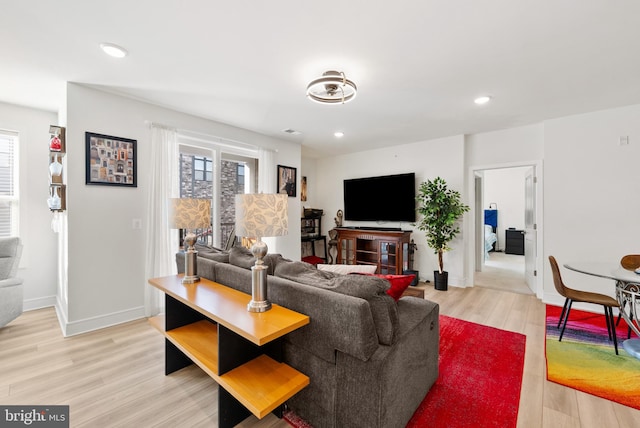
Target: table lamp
point(259, 216)
point(190, 214)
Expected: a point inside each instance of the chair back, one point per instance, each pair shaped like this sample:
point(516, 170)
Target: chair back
point(10, 252)
point(630, 261)
point(557, 279)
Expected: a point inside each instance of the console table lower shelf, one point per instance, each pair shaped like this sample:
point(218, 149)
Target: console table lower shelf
point(239, 350)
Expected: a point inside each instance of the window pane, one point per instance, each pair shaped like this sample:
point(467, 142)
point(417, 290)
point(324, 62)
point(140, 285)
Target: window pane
point(198, 164)
point(198, 175)
point(5, 219)
point(6, 165)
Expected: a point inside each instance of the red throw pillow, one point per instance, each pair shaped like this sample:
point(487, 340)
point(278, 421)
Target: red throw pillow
point(399, 283)
point(314, 260)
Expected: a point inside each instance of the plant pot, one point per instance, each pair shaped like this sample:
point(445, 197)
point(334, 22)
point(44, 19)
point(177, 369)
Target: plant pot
point(440, 280)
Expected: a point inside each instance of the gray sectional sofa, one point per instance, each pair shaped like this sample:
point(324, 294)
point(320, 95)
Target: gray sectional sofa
point(370, 360)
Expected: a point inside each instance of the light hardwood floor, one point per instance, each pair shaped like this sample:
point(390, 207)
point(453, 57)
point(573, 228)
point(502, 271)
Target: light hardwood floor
point(115, 377)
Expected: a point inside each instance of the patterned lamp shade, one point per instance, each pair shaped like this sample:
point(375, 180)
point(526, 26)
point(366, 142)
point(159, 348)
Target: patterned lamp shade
point(261, 215)
point(189, 213)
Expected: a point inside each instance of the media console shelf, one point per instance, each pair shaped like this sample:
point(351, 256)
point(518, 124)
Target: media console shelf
point(208, 324)
point(388, 250)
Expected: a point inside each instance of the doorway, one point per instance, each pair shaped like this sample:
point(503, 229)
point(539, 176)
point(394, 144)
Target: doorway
point(506, 235)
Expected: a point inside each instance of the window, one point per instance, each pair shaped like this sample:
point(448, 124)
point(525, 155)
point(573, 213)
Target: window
point(9, 202)
point(217, 172)
point(240, 178)
point(202, 169)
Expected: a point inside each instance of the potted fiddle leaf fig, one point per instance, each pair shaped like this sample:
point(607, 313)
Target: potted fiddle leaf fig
point(440, 209)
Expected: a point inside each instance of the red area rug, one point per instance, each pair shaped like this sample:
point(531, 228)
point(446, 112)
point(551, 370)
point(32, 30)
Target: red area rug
point(586, 360)
point(479, 383)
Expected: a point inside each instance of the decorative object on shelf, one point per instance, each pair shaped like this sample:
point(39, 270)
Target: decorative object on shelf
point(332, 88)
point(54, 200)
point(55, 144)
point(57, 195)
point(287, 180)
point(55, 168)
point(333, 245)
point(303, 190)
point(412, 248)
point(338, 218)
point(440, 208)
point(110, 161)
point(190, 214)
point(259, 216)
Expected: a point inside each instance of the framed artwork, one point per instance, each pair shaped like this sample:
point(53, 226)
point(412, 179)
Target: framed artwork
point(287, 180)
point(110, 161)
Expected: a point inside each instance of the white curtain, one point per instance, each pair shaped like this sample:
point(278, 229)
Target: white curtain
point(162, 242)
point(266, 171)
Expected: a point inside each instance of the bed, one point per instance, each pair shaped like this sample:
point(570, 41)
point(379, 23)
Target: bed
point(489, 239)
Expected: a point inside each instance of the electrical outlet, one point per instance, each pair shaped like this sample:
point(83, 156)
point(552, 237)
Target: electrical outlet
point(136, 224)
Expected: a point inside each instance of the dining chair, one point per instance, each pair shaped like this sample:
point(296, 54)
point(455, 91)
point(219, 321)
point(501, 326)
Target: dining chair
point(572, 295)
point(628, 262)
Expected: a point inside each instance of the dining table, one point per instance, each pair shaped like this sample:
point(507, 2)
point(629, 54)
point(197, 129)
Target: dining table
point(627, 288)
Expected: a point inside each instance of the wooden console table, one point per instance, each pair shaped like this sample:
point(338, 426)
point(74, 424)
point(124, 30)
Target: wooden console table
point(208, 324)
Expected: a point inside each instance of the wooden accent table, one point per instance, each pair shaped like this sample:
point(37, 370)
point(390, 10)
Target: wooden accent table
point(208, 324)
point(387, 250)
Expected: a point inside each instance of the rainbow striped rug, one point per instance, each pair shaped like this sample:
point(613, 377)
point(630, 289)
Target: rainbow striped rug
point(585, 359)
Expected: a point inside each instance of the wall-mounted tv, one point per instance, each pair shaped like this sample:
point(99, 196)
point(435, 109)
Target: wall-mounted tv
point(383, 198)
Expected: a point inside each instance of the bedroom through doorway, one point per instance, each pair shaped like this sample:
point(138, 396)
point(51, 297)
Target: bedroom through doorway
point(501, 215)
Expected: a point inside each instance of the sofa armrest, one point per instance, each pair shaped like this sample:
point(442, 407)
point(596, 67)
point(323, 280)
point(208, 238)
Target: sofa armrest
point(10, 282)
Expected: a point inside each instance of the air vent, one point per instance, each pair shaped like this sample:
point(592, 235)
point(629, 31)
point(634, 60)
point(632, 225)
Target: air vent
point(291, 131)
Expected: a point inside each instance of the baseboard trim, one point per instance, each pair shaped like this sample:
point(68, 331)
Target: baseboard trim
point(39, 303)
point(74, 328)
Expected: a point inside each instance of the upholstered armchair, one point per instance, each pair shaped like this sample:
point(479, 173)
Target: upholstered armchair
point(11, 293)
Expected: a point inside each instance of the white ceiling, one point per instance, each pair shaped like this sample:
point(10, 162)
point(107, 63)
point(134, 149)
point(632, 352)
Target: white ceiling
point(418, 64)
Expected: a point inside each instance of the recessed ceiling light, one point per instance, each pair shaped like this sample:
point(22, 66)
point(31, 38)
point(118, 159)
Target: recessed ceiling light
point(113, 50)
point(482, 100)
point(338, 134)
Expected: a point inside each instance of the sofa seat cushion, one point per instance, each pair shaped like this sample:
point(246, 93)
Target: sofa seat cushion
point(372, 289)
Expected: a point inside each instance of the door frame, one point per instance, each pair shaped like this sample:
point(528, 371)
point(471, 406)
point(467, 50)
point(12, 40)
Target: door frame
point(470, 229)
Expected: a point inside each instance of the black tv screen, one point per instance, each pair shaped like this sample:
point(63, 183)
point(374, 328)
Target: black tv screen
point(384, 198)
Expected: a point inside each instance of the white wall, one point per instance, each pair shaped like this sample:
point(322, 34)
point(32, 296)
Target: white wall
point(592, 189)
point(106, 255)
point(38, 266)
point(505, 188)
point(428, 159)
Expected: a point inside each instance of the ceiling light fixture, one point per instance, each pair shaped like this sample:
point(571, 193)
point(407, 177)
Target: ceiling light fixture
point(338, 134)
point(482, 100)
point(113, 50)
point(332, 88)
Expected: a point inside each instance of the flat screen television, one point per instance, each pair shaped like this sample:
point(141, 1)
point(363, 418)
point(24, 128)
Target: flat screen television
point(383, 198)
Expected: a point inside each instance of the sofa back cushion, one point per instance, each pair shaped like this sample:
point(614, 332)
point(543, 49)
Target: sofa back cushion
point(372, 289)
point(242, 257)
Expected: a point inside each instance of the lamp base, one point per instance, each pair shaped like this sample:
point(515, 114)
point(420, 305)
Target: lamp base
point(259, 302)
point(259, 306)
point(192, 279)
point(190, 266)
